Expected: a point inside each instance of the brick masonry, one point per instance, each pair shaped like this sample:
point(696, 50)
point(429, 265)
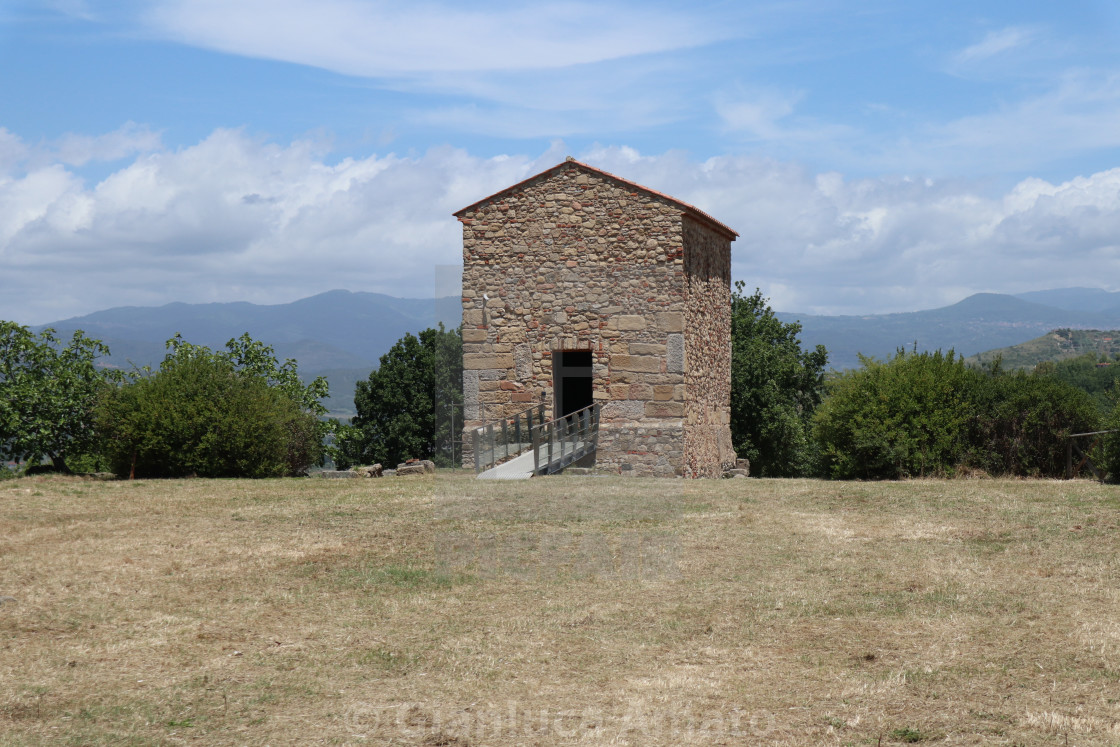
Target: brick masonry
point(577, 259)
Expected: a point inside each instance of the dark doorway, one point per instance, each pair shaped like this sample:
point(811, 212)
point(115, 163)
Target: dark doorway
point(571, 379)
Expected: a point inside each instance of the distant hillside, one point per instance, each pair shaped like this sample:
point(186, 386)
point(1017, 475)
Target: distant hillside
point(342, 334)
point(978, 323)
point(1076, 299)
point(339, 334)
point(1058, 345)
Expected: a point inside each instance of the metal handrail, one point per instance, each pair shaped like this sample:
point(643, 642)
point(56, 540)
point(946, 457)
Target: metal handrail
point(494, 440)
point(576, 435)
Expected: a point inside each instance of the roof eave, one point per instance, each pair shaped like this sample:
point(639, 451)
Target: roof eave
point(693, 212)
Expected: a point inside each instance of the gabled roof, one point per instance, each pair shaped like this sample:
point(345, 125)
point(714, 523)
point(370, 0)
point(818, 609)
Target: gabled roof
point(693, 212)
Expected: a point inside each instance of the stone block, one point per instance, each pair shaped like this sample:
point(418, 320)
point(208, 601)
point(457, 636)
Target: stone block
point(623, 409)
point(472, 317)
point(645, 348)
point(640, 390)
point(670, 321)
point(470, 387)
point(523, 361)
point(475, 361)
point(407, 469)
point(664, 409)
point(643, 363)
point(629, 322)
point(474, 335)
point(674, 357)
point(664, 392)
point(523, 397)
point(620, 391)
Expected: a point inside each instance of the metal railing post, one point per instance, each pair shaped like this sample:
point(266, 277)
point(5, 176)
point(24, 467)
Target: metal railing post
point(595, 434)
point(586, 429)
point(535, 434)
point(551, 431)
point(563, 438)
point(490, 444)
point(475, 441)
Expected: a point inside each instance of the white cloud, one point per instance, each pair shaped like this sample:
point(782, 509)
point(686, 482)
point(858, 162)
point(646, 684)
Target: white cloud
point(757, 115)
point(235, 218)
point(377, 38)
point(1079, 114)
point(239, 218)
point(993, 44)
point(77, 150)
point(820, 244)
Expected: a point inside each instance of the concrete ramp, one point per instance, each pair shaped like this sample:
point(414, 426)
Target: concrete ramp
point(518, 468)
point(558, 444)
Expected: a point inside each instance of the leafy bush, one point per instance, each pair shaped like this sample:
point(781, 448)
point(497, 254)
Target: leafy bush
point(1096, 374)
point(928, 414)
point(226, 414)
point(1110, 442)
point(905, 417)
point(1021, 421)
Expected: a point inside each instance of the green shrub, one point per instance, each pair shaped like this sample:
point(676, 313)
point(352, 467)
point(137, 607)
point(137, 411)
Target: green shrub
point(928, 414)
point(905, 417)
point(1021, 421)
point(1109, 452)
point(202, 414)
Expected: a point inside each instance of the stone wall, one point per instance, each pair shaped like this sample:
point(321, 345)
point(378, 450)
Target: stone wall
point(576, 260)
point(708, 450)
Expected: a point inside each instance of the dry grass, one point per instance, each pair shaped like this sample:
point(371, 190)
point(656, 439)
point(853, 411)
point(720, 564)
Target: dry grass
point(559, 611)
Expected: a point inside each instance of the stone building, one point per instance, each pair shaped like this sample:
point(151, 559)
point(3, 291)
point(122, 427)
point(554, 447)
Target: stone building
point(581, 287)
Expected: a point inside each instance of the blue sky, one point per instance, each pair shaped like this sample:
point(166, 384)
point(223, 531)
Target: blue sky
point(874, 156)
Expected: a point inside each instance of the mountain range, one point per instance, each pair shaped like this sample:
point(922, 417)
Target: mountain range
point(977, 324)
point(342, 334)
point(338, 334)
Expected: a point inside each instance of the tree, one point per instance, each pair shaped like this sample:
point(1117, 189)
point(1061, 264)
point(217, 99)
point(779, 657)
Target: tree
point(47, 394)
point(397, 405)
point(237, 413)
point(775, 387)
point(927, 414)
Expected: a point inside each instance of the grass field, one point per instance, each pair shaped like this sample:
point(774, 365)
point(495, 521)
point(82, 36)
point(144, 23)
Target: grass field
point(569, 610)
